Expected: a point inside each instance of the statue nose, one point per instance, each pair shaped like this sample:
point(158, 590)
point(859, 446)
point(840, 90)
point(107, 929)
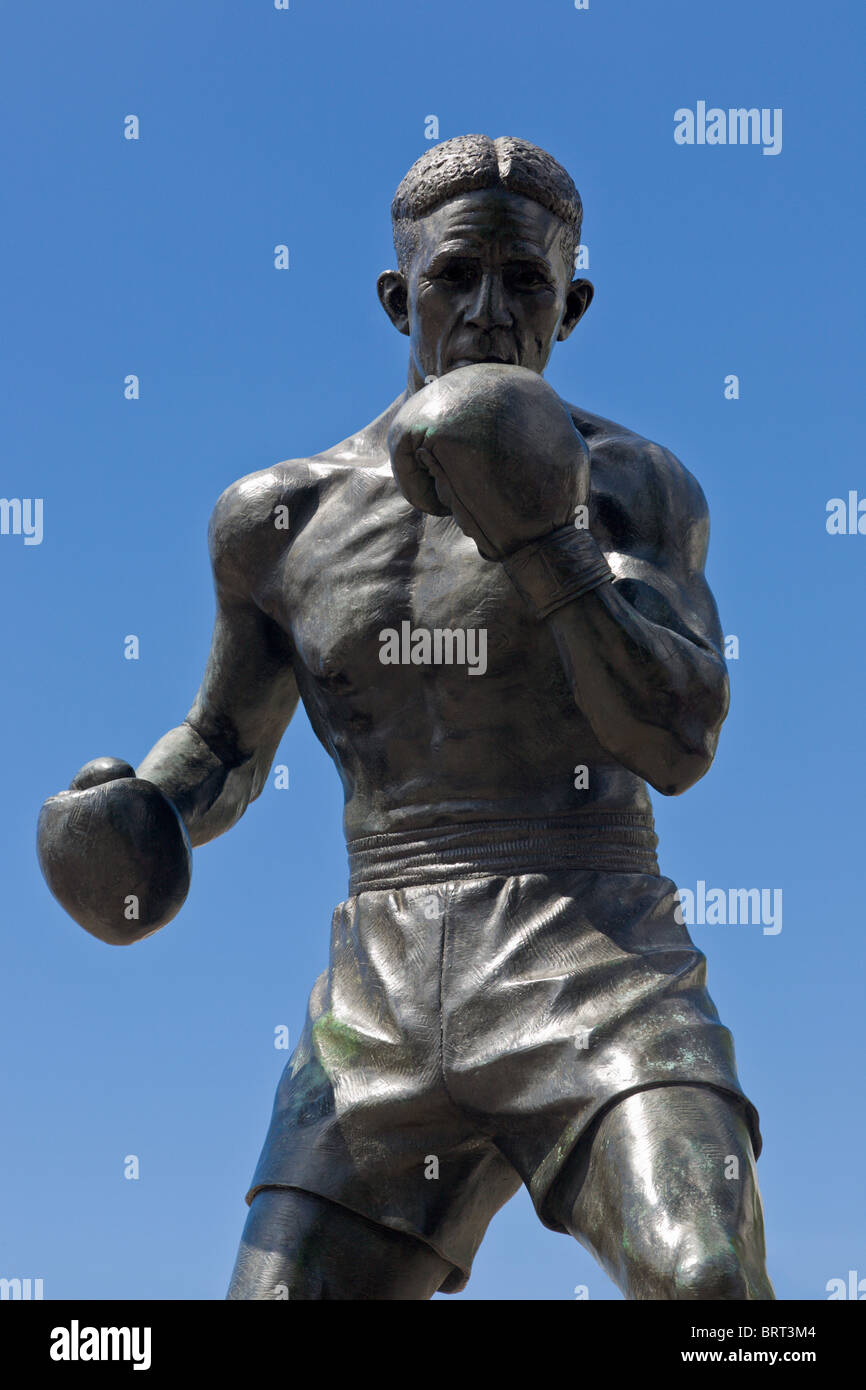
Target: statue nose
point(490, 309)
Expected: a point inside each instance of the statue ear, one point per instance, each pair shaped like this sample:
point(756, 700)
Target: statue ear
point(577, 301)
point(393, 296)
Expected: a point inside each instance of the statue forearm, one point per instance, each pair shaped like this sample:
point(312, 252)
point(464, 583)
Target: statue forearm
point(210, 794)
point(656, 701)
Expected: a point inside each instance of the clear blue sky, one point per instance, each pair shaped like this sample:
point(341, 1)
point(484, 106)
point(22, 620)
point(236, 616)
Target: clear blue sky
point(155, 257)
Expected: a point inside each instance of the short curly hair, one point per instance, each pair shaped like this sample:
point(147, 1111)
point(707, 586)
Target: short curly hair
point(471, 162)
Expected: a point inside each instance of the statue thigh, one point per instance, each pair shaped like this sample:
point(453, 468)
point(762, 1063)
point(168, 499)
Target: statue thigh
point(663, 1192)
point(297, 1245)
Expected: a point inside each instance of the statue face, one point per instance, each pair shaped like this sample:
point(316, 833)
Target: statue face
point(487, 283)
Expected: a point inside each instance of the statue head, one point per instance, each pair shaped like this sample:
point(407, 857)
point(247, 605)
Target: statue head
point(485, 233)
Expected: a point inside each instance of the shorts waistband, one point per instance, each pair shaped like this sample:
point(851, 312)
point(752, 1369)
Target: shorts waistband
point(610, 841)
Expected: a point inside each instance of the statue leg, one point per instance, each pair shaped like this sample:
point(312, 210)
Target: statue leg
point(296, 1245)
point(663, 1191)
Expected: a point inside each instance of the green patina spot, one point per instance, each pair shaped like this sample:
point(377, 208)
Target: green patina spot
point(335, 1042)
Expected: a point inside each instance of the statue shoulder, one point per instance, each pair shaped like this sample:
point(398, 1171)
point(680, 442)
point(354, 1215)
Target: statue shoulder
point(254, 520)
point(258, 517)
point(655, 493)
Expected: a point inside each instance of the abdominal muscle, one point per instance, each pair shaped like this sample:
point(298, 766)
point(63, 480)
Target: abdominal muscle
point(409, 781)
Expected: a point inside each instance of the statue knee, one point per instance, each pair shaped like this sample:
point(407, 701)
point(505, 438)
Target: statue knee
point(710, 1269)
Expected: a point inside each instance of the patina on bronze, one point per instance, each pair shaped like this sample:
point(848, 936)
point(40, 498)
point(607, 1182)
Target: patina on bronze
point(481, 593)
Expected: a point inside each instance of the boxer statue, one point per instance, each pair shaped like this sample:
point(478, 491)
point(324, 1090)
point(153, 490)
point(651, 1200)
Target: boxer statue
point(511, 995)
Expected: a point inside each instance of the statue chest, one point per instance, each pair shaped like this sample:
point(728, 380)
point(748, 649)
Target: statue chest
point(384, 585)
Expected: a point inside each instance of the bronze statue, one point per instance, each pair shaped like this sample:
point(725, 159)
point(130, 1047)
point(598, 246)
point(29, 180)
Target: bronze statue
point(493, 607)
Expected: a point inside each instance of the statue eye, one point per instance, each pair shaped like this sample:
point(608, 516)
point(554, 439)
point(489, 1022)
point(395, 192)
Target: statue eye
point(527, 277)
point(456, 272)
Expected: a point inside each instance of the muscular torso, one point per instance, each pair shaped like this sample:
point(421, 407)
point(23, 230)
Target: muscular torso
point(428, 745)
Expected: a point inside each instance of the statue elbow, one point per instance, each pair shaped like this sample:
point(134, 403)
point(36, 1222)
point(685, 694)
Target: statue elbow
point(687, 761)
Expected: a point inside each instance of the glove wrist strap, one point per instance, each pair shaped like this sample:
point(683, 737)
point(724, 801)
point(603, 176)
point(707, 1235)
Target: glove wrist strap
point(561, 566)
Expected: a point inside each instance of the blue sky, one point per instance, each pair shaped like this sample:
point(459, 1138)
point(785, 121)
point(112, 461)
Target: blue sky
point(155, 257)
